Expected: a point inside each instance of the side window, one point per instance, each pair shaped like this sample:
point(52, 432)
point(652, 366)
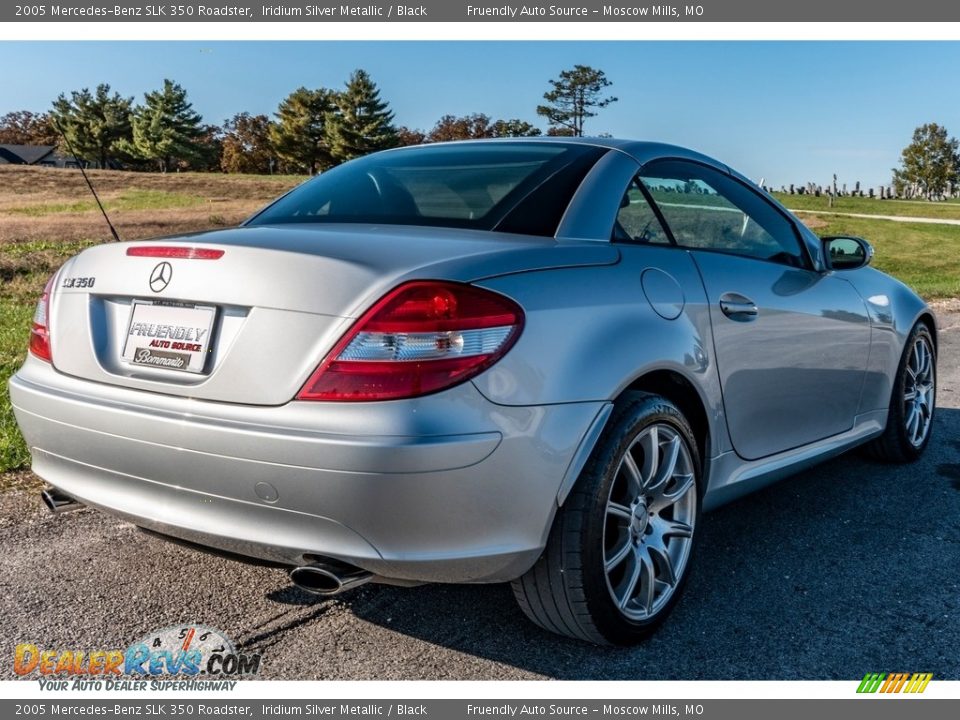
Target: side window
point(710, 210)
point(636, 220)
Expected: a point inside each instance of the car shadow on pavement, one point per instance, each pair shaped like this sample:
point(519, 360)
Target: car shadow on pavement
point(847, 567)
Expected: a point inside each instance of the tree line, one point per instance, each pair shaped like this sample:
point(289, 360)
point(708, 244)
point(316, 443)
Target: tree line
point(315, 129)
point(312, 129)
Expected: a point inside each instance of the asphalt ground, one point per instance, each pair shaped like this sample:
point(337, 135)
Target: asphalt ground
point(849, 568)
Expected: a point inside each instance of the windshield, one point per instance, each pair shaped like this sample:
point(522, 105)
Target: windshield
point(510, 187)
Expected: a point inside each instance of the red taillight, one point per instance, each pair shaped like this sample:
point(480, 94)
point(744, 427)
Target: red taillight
point(420, 338)
point(174, 251)
point(40, 330)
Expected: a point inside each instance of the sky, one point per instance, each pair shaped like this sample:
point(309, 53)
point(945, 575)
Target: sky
point(784, 112)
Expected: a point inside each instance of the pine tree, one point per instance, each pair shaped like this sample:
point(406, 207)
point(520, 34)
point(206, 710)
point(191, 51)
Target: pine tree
point(165, 128)
point(575, 95)
point(299, 137)
point(362, 123)
point(95, 124)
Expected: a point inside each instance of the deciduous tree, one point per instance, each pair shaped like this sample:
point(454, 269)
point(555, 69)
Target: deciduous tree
point(22, 127)
point(209, 149)
point(246, 144)
point(478, 126)
point(465, 127)
point(929, 163)
point(410, 136)
point(515, 128)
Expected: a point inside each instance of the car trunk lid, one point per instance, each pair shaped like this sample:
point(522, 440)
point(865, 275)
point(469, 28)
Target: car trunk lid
point(248, 313)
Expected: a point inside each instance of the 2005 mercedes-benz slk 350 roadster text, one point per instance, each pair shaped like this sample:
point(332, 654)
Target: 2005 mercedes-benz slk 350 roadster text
point(534, 361)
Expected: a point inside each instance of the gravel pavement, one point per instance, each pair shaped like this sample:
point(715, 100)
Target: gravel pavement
point(850, 567)
point(894, 218)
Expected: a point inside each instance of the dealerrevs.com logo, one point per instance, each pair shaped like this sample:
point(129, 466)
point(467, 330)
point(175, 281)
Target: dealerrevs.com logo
point(198, 656)
point(894, 683)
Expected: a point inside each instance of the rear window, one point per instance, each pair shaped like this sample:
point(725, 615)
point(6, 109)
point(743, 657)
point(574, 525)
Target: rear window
point(515, 187)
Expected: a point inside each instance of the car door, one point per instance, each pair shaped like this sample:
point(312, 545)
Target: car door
point(791, 343)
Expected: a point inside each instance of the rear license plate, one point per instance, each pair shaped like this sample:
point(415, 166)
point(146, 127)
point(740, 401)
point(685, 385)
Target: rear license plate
point(170, 337)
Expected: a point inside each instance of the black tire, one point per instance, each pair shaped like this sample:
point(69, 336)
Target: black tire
point(895, 445)
point(568, 590)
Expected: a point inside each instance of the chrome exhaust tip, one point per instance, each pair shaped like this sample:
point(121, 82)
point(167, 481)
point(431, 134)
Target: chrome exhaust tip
point(328, 578)
point(58, 502)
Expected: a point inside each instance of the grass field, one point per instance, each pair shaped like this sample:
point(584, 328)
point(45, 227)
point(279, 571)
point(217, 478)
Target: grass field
point(923, 256)
point(47, 215)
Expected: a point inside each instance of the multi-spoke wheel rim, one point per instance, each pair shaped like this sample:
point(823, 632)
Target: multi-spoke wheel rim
point(649, 524)
point(918, 392)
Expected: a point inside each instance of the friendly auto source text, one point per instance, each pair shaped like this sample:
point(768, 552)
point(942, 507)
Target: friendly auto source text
point(513, 11)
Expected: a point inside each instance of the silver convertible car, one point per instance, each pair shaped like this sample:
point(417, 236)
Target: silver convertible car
point(525, 361)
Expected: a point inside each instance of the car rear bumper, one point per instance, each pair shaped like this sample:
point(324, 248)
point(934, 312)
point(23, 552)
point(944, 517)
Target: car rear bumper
point(446, 488)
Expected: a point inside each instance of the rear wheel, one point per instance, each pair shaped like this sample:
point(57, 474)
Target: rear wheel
point(910, 417)
point(620, 547)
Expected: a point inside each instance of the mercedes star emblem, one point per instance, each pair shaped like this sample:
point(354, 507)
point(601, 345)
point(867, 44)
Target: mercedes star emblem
point(161, 276)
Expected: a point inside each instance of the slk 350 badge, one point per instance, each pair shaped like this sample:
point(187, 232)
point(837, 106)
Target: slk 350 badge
point(78, 282)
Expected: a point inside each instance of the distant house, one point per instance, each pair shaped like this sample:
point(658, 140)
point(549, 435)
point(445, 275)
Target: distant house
point(39, 155)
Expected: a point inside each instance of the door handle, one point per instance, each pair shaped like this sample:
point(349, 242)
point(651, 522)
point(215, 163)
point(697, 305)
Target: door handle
point(737, 307)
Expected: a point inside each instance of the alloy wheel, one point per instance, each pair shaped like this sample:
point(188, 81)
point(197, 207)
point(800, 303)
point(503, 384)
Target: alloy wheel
point(650, 517)
point(918, 392)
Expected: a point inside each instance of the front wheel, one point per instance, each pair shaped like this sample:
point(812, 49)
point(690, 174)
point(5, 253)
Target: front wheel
point(620, 548)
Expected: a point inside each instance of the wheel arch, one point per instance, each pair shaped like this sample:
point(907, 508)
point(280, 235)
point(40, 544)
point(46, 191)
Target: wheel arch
point(669, 384)
point(679, 390)
point(927, 318)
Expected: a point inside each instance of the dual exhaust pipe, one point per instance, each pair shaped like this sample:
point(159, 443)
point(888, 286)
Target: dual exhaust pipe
point(328, 577)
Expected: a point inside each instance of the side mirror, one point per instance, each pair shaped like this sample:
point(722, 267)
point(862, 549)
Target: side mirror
point(846, 253)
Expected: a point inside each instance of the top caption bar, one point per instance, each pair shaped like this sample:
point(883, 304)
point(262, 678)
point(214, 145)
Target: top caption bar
point(454, 11)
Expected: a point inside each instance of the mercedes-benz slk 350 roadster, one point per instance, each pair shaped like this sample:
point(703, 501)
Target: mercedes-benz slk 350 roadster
point(526, 361)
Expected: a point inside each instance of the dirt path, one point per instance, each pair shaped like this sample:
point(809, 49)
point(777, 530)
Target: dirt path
point(894, 218)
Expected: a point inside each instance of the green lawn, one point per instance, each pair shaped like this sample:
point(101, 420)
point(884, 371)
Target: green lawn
point(14, 332)
point(923, 256)
point(25, 267)
point(949, 210)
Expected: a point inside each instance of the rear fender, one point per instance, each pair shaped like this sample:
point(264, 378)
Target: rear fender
point(591, 333)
